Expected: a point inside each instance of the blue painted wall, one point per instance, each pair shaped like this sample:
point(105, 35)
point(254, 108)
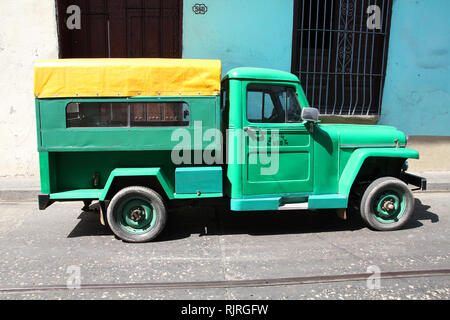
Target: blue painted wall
point(417, 87)
point(250, 33)
point(258, 33)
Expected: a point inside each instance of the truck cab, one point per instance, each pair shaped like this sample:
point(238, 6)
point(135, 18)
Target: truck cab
point(138, 134)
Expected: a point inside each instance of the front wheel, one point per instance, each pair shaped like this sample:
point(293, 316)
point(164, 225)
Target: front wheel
point(137, 214)
point(387, 204)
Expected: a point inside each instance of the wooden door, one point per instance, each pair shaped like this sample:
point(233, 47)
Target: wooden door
point(121, 28)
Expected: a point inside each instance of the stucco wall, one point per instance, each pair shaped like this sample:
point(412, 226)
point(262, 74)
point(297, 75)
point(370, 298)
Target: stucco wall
point(434, 153)
point(250, 33)
point(27, 32)
point(417, 88)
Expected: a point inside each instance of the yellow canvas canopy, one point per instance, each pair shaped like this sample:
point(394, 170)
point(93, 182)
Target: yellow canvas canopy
point(126, 77)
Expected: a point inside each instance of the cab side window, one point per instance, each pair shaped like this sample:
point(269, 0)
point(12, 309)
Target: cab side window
point(294, 111)
point(268, 104)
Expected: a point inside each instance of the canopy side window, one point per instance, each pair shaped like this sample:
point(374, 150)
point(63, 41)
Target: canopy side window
point(122, 114)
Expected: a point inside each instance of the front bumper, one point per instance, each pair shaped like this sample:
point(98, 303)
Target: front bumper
point(419, 182)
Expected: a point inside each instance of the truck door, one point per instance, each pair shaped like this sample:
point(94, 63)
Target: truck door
point(272, 116)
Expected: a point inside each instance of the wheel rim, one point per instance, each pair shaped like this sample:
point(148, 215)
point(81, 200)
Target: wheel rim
point(137, 215)
point(389, 205)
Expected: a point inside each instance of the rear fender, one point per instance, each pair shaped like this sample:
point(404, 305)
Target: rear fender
point(138, 172)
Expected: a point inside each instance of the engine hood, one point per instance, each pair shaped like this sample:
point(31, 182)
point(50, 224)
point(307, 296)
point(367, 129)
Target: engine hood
point(352, 135)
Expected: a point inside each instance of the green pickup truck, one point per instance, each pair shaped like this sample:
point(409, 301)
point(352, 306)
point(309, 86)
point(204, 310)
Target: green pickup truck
point(139, 135)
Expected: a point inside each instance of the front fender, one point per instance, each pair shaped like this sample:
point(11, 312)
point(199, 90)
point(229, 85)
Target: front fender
point(360, 155)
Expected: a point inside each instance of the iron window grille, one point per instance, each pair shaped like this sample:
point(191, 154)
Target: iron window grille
point(340, 61)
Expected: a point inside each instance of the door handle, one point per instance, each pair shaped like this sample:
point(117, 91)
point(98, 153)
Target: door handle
point(251, 131)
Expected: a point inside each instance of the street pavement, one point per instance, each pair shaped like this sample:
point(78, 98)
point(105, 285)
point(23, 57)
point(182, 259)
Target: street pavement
point(206, 244)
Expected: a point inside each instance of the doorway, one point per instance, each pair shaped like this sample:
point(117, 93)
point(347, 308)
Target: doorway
point(121, 29)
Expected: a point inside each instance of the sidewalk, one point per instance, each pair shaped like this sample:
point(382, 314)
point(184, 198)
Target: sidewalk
point(19, 189)
point(27, 189)
point(436, 180)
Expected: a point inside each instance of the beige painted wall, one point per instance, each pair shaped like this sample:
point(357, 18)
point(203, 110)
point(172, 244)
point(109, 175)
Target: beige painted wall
point(434, 153)
point(27, 33)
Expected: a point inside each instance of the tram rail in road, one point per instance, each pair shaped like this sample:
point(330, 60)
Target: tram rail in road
point(237, 283)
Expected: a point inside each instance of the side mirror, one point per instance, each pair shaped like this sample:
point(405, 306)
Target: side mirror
point(310, 114)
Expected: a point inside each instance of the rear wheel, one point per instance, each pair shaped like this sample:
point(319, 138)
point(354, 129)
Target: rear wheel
point(137, 214)
point(387, 204)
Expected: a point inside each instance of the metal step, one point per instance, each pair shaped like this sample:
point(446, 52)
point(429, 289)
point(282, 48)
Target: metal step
point(294, 206)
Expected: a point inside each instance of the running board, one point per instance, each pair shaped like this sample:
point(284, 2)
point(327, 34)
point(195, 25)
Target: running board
point(294, 206)
point(322, 201)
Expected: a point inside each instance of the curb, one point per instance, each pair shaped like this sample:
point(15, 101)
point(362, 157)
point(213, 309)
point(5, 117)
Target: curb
point(438, 187)
point(20, 189)
point(19, 195)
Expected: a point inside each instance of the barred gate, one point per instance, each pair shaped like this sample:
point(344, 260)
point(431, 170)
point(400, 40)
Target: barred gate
point(341, 62)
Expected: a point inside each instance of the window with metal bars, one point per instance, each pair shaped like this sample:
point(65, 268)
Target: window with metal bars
point(340, 58)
